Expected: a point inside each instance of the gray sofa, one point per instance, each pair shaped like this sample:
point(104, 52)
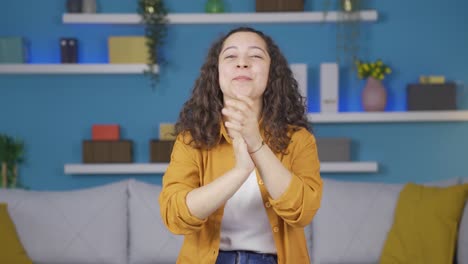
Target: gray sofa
point(120, 223)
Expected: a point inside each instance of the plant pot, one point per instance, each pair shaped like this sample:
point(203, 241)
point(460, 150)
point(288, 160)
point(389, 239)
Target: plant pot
point(89, 6)
point(349, 5)
point(374, 95)
point(214, 6)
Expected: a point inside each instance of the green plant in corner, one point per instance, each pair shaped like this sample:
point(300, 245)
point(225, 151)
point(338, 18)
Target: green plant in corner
point(11, 154)
point(154, 17)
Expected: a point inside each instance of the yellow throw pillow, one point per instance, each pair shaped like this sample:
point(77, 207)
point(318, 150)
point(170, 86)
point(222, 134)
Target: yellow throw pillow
point(425, 225)
point(11, 249)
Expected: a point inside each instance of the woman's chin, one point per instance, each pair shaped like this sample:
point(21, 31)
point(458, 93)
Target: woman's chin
point(243, 90)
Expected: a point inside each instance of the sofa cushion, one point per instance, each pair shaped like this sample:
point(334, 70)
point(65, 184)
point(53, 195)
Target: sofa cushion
point(425, 226)
point(12, 251)
point(80, 226)
point(354, 218)
point(462, 252)
point(150, 241)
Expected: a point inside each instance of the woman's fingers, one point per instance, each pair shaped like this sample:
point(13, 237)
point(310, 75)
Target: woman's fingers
point(233, 115)
point(239, 105)
point(234, 126)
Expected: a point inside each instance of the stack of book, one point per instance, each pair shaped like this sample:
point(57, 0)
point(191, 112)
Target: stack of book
point(106, 146)
point(128, 49)
point(13, 50)
point(279, 5)
point(161, 149)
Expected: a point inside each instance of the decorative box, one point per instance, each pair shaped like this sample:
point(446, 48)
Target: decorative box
point(334, 149)
point(431, 97)
point(160, 150)
point(107, 151)
point(105, 132)
point(130, 49)
point(13, 50)
point(279, 5)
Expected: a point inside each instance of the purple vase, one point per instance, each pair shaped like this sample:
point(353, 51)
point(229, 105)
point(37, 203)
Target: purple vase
point(374, 95)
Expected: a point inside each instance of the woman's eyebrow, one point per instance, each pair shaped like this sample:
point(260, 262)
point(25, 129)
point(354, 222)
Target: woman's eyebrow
point(250, 47)
point(257, 47)
point(230, 47)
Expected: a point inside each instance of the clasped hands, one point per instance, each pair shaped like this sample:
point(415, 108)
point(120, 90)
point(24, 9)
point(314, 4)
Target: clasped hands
point(242, 121)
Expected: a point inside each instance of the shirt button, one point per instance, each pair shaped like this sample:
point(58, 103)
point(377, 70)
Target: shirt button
point(275, 229)
point(267, 205)
point(260, 182)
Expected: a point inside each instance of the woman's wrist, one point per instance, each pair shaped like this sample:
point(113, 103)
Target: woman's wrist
point(257, 148)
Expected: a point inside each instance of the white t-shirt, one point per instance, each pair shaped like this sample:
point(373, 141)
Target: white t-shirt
point(245, 224)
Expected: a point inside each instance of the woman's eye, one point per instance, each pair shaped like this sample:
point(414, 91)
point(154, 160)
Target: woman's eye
point(257, 56)
point(230, 56)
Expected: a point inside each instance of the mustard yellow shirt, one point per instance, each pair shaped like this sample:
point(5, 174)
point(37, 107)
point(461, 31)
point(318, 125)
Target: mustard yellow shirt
point(191, 168)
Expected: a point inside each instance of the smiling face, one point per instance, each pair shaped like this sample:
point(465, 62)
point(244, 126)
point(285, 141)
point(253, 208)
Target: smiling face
point(243, 66)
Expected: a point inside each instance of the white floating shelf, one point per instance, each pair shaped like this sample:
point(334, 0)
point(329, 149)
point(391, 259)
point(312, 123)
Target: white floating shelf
point(152, 168)
point(380, 117)
point(73, 68)
point(123, 168)
point(202, 18)
point(348, 167)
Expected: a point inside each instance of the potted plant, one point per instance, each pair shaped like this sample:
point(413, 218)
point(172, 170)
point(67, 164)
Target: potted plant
point(11, 154)
point(374, 94)
point(154, 17)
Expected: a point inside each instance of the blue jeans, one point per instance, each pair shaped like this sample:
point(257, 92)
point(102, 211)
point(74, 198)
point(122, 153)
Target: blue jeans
point(245, 257)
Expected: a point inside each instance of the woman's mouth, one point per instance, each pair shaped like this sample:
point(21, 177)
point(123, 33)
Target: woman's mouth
point(242, 78)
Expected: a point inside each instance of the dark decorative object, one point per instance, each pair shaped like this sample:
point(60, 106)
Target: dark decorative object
point(74, 6)
point(154, 16)
point(103, 151)
point(431, 97)
point(69, 50)
point(11, 155)
point(214, 6)
point(161, 150)
point(279, 5)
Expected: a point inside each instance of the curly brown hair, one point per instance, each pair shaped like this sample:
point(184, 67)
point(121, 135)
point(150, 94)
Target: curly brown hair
point(283, 109)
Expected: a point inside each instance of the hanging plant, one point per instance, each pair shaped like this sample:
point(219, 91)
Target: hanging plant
point(154, 17)
point(348, 28)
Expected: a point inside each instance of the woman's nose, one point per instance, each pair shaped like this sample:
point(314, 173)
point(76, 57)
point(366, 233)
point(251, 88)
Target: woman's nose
point(242, 63)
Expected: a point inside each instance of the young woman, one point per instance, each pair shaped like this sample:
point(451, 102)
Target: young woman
point(244, 177)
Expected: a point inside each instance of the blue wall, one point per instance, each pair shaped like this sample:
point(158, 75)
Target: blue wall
point(54, 113)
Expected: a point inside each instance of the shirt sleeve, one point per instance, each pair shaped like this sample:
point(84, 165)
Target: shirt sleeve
point(301, 200)
point(182, 176)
